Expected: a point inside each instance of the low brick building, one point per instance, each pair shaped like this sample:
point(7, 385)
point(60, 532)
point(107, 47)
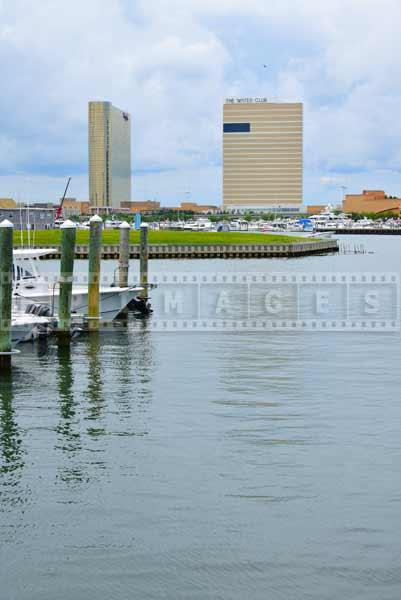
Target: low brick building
point(197, 208)
point(141, 207)
point(315, 209)
point(371, 201)
point(73, 207)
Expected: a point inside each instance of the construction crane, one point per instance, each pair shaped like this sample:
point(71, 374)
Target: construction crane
point(60, 207)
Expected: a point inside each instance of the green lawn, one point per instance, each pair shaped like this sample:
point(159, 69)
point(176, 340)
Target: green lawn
point(51, 238)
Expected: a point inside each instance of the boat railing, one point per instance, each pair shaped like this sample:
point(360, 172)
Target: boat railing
point(54, 286)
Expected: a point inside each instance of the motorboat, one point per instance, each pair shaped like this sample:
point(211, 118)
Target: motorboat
point(328, 220)
point(200, 224)
point(31, 287)
point(190, 226)
point(239, 225)
point(363, 223)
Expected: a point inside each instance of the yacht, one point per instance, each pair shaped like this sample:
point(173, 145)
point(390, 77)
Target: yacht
point(328, 220)
point(363, 223)
point(31, 287)
point(239, 225)
point(190, 226)
point(200, 224)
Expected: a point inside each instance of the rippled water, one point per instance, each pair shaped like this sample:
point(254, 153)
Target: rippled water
point(202, 465)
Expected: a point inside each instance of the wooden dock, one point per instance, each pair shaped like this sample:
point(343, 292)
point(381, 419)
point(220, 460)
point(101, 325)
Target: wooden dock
point(166, 251)
point(364, 231)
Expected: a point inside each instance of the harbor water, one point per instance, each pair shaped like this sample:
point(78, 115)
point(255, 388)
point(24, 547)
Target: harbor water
point(206, 465)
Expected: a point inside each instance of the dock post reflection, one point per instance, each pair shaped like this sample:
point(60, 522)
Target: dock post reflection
point(71, 439)
point(134, 371)
point(142, 351)
point(94, 391)
point(11, 451)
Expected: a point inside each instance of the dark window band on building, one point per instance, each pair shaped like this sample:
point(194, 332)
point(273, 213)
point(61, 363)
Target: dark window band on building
point(236, 127)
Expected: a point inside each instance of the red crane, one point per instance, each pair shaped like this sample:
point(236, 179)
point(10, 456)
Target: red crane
point(60, 208)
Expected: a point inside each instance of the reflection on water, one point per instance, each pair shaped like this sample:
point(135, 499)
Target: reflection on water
point(68, 429)
point(190, 465)
point(10, 439)
point(12, 454)
point(133, 368)
point(14, 492)
point(93, 392)
point(68, 407)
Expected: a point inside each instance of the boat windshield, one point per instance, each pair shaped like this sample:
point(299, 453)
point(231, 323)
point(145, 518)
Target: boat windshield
point(20, 273)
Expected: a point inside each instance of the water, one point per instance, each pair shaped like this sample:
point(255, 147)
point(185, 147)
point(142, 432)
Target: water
point(224, 466)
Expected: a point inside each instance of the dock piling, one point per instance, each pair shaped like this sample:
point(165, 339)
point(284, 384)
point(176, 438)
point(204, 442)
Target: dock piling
point(123, 262)
point(68, 236)
point(95, 250)
point(143, 260)
point(6, 291)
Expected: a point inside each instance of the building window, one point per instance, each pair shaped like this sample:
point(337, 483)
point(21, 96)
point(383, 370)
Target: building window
point(236, 127)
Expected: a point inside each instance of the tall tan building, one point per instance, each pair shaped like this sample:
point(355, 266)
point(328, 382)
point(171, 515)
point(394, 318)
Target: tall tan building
point(262, 154)
point(109, 155)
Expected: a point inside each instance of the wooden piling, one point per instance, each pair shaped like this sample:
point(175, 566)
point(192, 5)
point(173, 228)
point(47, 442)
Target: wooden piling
point(68, 236)
point(6, 291)
point(95, 250)
point(143, 260)
point(123, 262)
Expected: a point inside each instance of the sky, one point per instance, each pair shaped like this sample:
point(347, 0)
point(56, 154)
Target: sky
point(171, 63)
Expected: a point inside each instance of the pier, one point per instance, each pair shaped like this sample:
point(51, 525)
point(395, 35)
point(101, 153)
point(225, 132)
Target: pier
point(364, 231)
point(199, 251)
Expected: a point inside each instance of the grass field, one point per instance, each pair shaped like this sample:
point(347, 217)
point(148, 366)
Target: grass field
point(51, 238)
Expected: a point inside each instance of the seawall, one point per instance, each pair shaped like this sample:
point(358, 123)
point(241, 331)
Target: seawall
point(166, 251)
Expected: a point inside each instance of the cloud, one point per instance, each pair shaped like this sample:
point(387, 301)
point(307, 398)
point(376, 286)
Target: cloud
point(171, 64)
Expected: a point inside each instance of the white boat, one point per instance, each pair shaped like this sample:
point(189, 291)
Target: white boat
point(30, 287)
point(328, 220)
point(200, 224)
point(239, 225)
point(363, 223)
point(321, 234)
point(190, 226)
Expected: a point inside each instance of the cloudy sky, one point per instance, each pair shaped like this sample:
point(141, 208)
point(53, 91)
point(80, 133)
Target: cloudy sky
point(171, 63)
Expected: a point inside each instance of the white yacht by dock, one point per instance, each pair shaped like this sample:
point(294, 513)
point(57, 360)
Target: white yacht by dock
point(328, 220)
point(30, 287)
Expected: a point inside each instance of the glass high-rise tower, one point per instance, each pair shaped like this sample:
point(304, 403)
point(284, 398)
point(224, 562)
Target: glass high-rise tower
point(109, 155)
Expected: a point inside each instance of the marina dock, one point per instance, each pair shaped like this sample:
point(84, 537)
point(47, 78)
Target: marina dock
point(364, 231)
point(197, 251)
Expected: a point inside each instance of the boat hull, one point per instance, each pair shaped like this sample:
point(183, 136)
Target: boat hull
point(112, 301)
